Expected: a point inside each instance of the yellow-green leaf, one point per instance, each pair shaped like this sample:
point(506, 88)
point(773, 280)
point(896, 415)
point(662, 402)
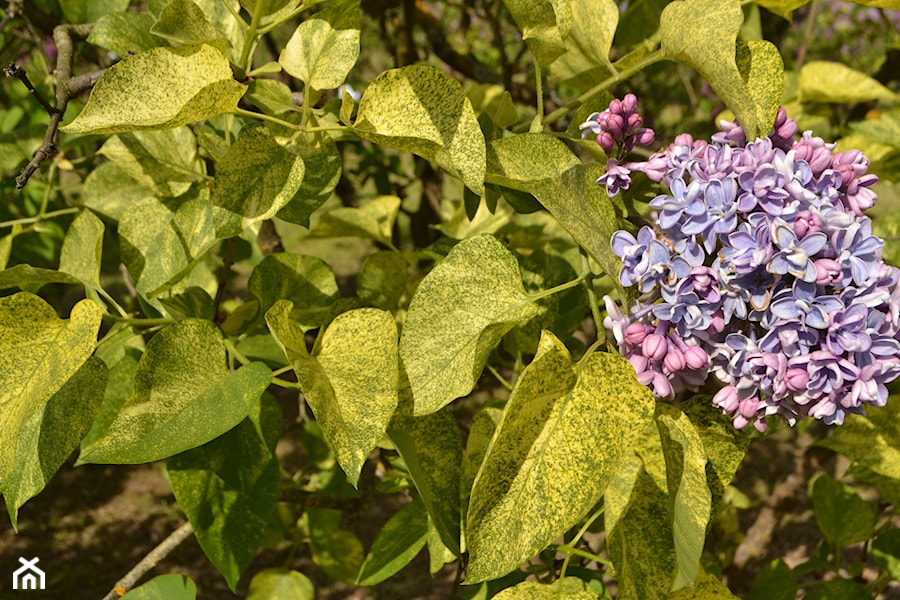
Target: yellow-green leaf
point(421, 109)
point(457, 316)
point(280, 584)
point(124, 32)
point(563, 436)
point(823, 81)
point(760, 65)
point(784, 8)
point(373, 220)
point(872, 441)
point(516, 160)
point(545, 26)
point(183, 22)
point(89, 11)
point(567, 588)
point(324, 47)
point(307, 282)
point(707, 587)
point(39, 353)
point(159, 89)
point(184, 396)
point(594, 24)
point(82, 249)
point(350, 383)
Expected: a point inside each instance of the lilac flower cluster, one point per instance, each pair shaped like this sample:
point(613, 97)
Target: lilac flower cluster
point(761, 268)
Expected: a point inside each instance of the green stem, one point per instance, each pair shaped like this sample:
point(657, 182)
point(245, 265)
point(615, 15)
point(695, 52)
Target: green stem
point(592, 296)
point(648, 60)
point(555, 290)
point(103, 293)
point(290, 385)
point(264, 117)
point(40, 217)
point(250, 40)
point(139, 322)
point(539, 89)
point(568, 549)
point(499, 377)
point(288, 17)
point(232, 349)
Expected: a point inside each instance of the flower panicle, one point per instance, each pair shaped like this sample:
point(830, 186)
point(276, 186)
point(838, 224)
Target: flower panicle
point(760, 268)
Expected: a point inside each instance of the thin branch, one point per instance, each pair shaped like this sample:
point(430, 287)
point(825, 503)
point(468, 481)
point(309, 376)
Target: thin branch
point(148, 562)
point(65, 46)
point(19, 73)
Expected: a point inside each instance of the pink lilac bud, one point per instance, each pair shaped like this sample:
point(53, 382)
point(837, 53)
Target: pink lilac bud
point(635, 334)
point(674, 360)
point(807, 222)
point(634, 122)
point(796, 379)
point(828, 271)
point(615, 106)
point(629, 103)
point(727, 399)
point(606, 141)
point(654, 346)
point(644, 136)
point(749, 407)
point(640, 363)
point(696, 358)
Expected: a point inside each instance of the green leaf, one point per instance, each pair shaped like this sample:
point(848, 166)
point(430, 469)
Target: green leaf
point(272, 96)
point(516, 160)
point(883, 130)
point(567, 588)
point(89, 11)
point(257, 177)
point(124, 33)
point(337, 551)
point(584, 210)
point(689, 496)
point(160, 89)
point(119, 387)
point(164, 587)
point(398, 542)
point(164, 162)
point(39, 353)
point(324, 47)
point(193, 302)
point(82, 249)
point(307, 282)
point(383, 280)
point(109, 191)
point(160, 245)
point(221, 13)
point(373, 220)
point(842, 515)
point(545, 26)
point(228, 488)
point(784, 8)
point(183, 22)
point(563, 436)
point(706, 587)
point(280, 584)
point(775, 582)
point(839, 589)
point(431, 446)
point(886, 551)
point(587, 48)
point(184, 396)
point(51, 433)
point(421, 109)
point(872, 441)
point(323, 172)
point(351, 381)
point(481, 431)
point(823, 81)
point(26, 277)
point(702, 35)
point(457, 316)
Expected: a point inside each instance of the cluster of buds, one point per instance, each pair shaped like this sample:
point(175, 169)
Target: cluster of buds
point(619, 126)
point(760, 268)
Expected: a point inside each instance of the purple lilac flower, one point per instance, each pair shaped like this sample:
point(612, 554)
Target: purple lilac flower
point(760, 268)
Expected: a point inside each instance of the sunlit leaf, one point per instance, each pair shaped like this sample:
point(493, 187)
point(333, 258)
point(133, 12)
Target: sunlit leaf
point(39, 353)
point(307, 282)
point(82, 249)
point(183, 22)
point(587, 48)
point(159, 89)
point(124, 33)
point(570, 588)
point(351, 381)
point(516, 160)
point(164, 162)
point(325, 46)
point(872, 441)
point(456, 317)
point(373, 220)
point(823, 81)
point(706, 587)
point(563, 436)
point(398, 542)
point(184, 396)
point(164, 587)
point(545, 26)
point(280, 584)
point(421, 109)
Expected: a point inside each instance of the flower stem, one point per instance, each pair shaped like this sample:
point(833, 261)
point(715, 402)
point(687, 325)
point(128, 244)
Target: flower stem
point(250, 40)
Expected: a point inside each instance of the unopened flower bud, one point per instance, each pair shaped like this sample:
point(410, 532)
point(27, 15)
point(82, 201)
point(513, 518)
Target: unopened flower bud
point(674, 360)
point(634, 122)
point(807, 222)
point(639, 362)
point(606, 141)
point(696, 358)
point(796, 379)
point(828, 271)
point(727, 399)
point(654, 346)
point(629, 104)
point(635, 334)
point(644, 136)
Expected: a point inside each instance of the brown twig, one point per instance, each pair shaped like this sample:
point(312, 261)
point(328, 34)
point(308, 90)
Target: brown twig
point(67, 88)
point(148, 562)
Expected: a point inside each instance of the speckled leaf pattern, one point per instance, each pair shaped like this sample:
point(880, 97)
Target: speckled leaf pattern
point(703, 34)
point(431, 445)
point(706, 587)
point(689, 495)
point(88, 11)
point(822, 81)
point(587, 49)
point(481, 430)
point(159, 89)
point(785, 8)
point(323, 172)
point(545, 26)
point(457, 316)
point(163, 162)
point(159, 244)
point(39, 353)
point(228, 488)
point(307, 282)
point(31, 278)
point(124, 32)
point(872, 441)
point(639, 533)
point(564, 433)
point(759, 63)
point(182, 22)
point(421, 109)
point(257, 177)
point(164, 587)
point(567, 588)
point(82, 249)
point(351, 382)
point(324, 47)
point(337, 551)
point(51, 433)
point(373, 220)
point(280, 584)
point(398, 542)
point(184, 396)
point(584, 210)
point(517, 159)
